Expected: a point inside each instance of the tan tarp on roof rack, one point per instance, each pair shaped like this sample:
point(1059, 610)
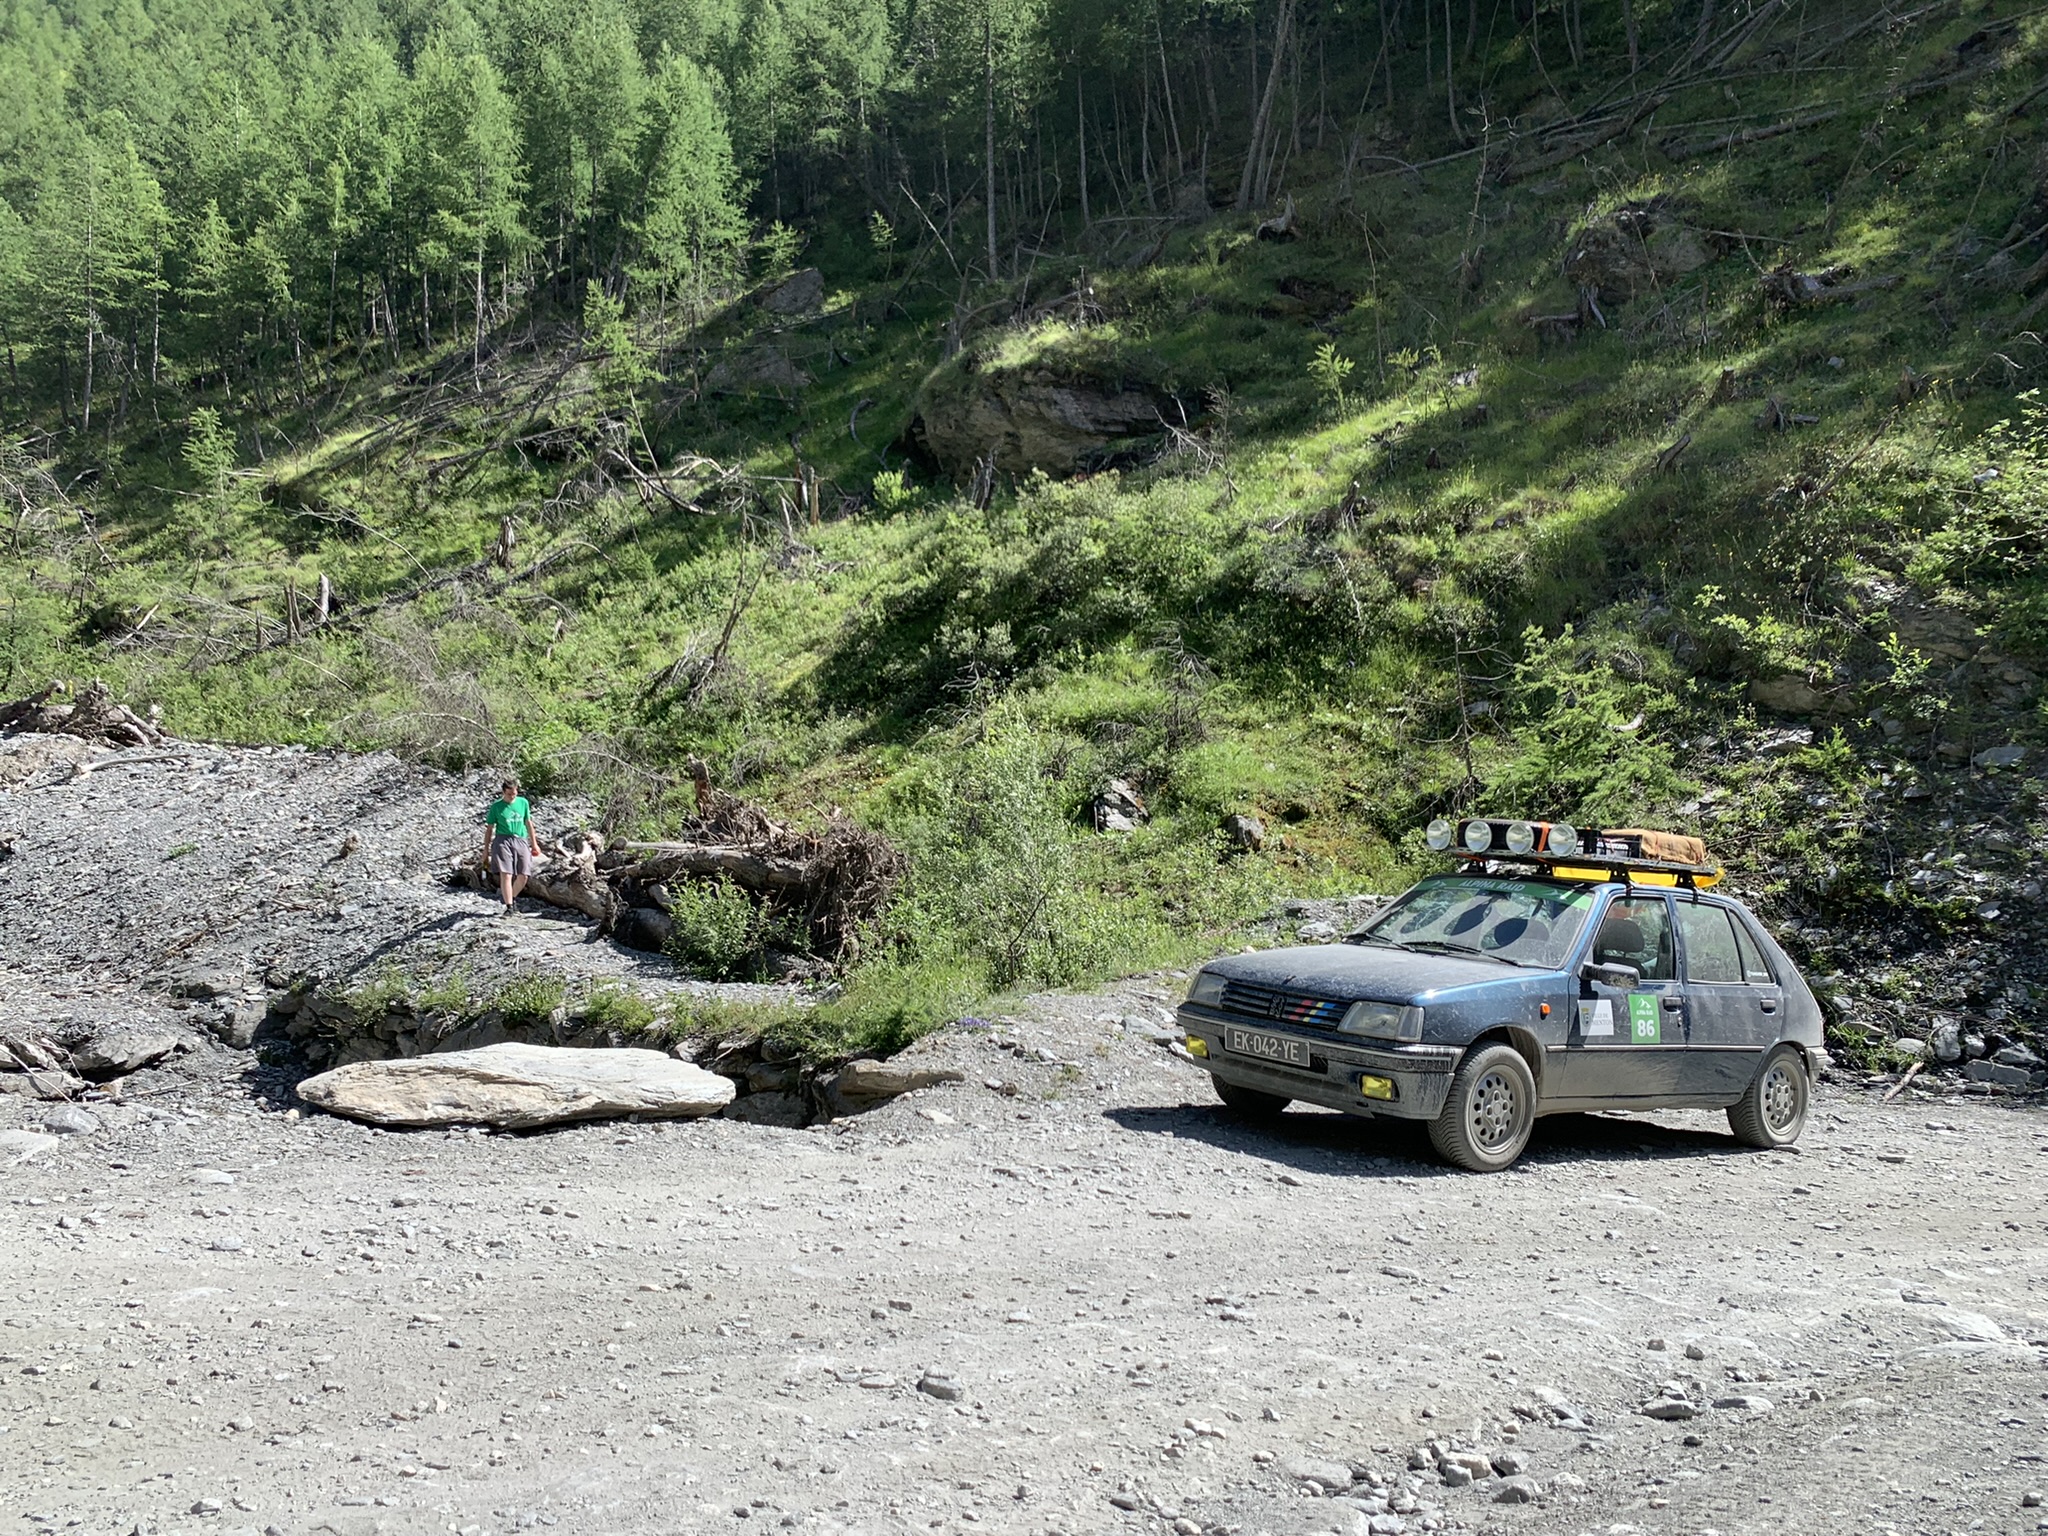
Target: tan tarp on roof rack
point(1640, 843)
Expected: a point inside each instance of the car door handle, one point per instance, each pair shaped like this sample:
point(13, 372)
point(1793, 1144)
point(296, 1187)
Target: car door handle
point(1672, 1005)
point(1768, 1006)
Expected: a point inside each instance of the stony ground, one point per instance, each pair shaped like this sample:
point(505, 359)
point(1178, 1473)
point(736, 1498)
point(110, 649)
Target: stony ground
point(1068, 1294)
point(180, 886)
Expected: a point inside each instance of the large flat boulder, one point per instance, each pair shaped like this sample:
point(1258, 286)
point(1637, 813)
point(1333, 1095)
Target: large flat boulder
point(516, 1087)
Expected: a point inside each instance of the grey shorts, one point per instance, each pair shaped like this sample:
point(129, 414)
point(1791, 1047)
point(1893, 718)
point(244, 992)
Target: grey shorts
point(511, 856)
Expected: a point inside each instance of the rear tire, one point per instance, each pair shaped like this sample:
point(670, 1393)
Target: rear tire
point(1491, 1108)
point(1250, 1102)
point(1772, 1110)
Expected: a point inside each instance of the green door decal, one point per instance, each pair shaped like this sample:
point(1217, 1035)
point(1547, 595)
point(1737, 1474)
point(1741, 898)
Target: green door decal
point(1645, 1023)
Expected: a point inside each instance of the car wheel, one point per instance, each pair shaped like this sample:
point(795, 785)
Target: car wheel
point(1486, 1120)
point(1249, 1102)
point(1772, 1110)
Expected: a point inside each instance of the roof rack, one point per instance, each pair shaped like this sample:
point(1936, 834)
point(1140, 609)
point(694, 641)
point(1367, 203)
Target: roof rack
point(1630, 854)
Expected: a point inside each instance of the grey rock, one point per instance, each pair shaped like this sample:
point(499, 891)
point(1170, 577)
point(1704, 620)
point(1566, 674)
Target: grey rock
point(1560, 1406)
point(801, 293)
point(645, 928)
point(1039, 416)
point(1510, 1464)
point(1743, 1403)
point(1118, 808)
point(1330, 1476)
point(515, 1086)
point(1454, 1475)
point(1946, 1042)
point(1910, 1048)
point(866, 1079)
point(2018, 1056)
point(1996, 1073)
point(1670, 1409)
point(1316, 932)
point(118, 1049)
point(943, 1387)
point(1973, 1046)
point(2007, 756)
point(68, 1120)
point(1788, 695)
point(1517, 1490)
point(236, 1027)
point(203, 982)
point(1244, 833)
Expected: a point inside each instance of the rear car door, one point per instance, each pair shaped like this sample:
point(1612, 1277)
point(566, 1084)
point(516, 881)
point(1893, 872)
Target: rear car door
point(1734, 1005)
point(1630, 1044)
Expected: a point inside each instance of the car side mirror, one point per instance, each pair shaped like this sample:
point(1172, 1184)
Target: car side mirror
point(1623, 977)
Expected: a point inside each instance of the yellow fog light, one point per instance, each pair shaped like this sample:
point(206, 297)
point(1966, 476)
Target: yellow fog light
point(1371, 1087)
point(1197, 1047)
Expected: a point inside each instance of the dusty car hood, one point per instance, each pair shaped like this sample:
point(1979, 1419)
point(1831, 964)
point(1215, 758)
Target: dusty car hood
point(1369, 971)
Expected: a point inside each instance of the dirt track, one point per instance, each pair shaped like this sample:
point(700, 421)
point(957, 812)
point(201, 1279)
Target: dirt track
point(654, 1328)
point(219, 1316)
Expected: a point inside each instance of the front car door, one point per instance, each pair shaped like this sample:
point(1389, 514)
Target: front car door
point(1630, 1044)
point(1734, 1005)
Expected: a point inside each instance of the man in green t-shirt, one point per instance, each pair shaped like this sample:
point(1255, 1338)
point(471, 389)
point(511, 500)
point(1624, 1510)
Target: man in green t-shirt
point(510, 843)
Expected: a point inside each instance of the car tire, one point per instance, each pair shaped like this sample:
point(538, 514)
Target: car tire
point(1249, 1102)
point(1489, 1112)
point(1772, 1110)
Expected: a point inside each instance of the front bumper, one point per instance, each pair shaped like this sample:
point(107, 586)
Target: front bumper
point(1420, 1074)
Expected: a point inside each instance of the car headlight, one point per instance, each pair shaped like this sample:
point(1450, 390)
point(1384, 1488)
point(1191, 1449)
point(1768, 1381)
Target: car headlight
point(1206, 989)
point(1382, 1021)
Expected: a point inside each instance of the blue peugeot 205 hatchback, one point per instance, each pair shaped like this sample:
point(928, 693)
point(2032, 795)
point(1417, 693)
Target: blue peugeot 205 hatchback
point(1554, 971)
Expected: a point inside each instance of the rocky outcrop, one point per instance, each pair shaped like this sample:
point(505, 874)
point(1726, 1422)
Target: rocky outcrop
point(802, 293)
point(1638, 247)
point(1034, 417)
point(518, 1087)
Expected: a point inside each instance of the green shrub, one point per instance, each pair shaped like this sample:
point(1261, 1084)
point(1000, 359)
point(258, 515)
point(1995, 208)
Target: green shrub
point(528, 998)
point(721, 932)
point(615, 1008)
point(449, 995)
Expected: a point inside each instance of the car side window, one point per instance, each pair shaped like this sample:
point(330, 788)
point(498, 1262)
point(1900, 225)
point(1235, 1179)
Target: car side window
point(1710, 952)
point(1637, 932)
point(1754, 966)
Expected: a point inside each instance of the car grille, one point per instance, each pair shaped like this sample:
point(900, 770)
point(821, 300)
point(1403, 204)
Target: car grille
point(1257, 1002)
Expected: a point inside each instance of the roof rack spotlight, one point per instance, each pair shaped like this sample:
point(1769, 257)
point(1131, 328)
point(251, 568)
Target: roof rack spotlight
point(1439, 834)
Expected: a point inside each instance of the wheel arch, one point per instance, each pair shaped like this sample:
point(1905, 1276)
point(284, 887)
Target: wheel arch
point(1526, 1045)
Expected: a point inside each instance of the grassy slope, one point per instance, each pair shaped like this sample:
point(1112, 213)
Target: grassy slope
point(1193, 624)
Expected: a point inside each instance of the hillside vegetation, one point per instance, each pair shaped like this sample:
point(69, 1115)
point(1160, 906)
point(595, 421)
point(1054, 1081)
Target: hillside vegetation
point(1621, 412)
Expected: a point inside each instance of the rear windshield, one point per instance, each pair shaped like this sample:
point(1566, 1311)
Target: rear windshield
point(1525, 922)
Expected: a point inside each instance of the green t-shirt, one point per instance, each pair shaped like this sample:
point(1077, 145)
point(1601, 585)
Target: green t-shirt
point(507, 818)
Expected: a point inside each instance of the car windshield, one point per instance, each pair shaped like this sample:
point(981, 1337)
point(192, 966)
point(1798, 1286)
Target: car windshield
point(1524, 922)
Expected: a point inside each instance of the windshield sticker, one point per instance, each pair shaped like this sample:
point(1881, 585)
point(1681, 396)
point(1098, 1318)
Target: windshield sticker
point(1645, 1026)
point(1596, 1016)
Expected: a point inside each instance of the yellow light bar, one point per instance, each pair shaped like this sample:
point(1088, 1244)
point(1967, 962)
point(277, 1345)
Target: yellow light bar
point(1635, 876)
point(1197, 1046)
point(1371, 1087)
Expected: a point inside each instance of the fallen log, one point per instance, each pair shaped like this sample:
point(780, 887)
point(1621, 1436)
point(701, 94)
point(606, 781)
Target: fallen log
point(744, 866)
point(1791, 289)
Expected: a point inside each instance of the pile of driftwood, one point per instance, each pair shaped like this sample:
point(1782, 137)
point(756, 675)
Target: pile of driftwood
point(834, 883)
point(94, 715)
